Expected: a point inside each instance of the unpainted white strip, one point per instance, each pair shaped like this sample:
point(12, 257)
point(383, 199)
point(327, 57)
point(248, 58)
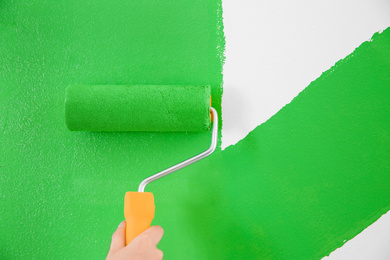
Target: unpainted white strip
point(274, 49)
point(373, 243)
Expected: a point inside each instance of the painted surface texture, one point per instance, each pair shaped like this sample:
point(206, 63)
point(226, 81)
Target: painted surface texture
point(314, 175)
point(296, 187)
point(61, 192)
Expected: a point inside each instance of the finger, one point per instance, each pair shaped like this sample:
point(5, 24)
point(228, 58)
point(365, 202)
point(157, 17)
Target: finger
point(118, 238)
point(155, 233)
point(159, 254)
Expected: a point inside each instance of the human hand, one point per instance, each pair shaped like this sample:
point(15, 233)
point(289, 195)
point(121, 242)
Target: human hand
point(141, 248)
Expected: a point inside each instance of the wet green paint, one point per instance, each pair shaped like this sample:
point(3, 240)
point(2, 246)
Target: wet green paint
point(137, 108)
point(61, 192)
point(315, 174)
point(312, 176)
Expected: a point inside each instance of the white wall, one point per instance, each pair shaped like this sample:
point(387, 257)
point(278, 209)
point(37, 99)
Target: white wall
point(274, 49)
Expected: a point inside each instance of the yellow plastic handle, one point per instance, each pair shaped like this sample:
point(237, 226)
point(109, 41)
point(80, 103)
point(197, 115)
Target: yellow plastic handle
point(139, 213)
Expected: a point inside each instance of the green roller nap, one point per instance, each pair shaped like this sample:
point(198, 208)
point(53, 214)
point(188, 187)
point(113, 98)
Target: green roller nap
point(137, 108)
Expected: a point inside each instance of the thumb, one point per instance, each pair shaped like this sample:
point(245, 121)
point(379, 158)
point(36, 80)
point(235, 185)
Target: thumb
point(118, 239)
point(154, 233)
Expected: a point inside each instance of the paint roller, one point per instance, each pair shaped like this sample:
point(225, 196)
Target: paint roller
point(151, 108)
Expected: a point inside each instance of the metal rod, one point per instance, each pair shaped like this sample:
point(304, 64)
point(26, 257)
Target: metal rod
point(214, 139)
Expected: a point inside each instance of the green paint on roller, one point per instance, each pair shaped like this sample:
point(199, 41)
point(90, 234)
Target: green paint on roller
point(137, 108)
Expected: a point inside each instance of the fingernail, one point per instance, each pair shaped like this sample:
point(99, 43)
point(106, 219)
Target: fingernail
point(122, 223)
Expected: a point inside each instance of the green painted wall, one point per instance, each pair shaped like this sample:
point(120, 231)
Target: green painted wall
point(296, 187)
point(62, 192)
point(314, 175)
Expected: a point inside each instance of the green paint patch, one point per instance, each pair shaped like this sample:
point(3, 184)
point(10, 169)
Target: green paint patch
point(312, 176)
point(61, 192)
point(315, 174)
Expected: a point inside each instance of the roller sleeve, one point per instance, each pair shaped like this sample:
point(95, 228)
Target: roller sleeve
point(137, 108)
